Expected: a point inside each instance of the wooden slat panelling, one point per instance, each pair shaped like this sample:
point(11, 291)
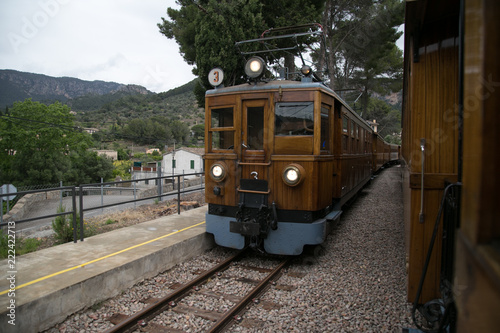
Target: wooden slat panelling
point(287, 197)
point(228, 185)
point(293, 145)
point(477, 273)
point(431, 94)
point(432, 181)
point(448, 133)
point(421, 234)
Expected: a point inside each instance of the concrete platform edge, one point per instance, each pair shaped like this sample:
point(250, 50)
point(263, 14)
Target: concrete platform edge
point(36, 316)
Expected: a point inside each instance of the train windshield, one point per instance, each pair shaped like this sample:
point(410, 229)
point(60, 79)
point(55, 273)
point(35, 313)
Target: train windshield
point(294, 118)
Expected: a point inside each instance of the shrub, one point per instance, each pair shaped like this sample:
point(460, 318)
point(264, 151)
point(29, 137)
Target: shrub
point(63, 227)
point(28, 245)
point(4, 248)
point(23, 245)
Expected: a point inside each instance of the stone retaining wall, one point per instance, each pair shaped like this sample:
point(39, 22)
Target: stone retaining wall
point(26, 202)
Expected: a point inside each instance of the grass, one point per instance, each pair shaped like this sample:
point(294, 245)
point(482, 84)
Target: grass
point(22, 245)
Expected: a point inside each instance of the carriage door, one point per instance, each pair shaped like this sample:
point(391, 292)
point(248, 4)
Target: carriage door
point(254, 157)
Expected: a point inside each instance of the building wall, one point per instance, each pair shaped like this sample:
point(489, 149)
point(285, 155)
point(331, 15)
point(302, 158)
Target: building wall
point(185, 162)
point(144, 173)
point(113, 154)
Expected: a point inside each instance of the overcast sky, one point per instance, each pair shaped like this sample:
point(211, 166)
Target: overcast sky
point(109, 40)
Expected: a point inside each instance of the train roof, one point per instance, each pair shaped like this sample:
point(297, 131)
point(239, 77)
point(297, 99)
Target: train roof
point(270, 85)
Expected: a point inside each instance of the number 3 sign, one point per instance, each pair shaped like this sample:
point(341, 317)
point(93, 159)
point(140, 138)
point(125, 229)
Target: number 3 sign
point(215, 77)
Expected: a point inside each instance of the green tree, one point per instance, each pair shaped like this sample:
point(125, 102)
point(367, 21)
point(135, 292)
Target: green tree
point(147, 131)
point(123, 155)
point(180, 131)
point(198, 130)
point(88, 167)
point(388, 118)
point(285, 13)
point(122, 169)
point(380, 67)
point(363, 55)
point(36, 143)
point(207, 30)
point(360, 52)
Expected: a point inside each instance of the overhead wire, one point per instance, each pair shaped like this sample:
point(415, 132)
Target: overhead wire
point(8, 117)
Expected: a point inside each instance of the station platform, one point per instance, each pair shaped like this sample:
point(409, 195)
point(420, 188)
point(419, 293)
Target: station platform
point(53, 283)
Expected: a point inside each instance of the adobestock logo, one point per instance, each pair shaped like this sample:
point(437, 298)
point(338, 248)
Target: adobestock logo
point(30, 26)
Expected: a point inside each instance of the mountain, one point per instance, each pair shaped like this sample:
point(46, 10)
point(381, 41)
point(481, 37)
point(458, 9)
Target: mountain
point(102, 111)
point(17, 86)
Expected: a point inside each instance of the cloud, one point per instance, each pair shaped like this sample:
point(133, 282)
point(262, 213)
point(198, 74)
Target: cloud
point(92, 40)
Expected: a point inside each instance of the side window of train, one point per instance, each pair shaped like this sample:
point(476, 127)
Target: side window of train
point(357, 139)
point(222, 128)
point(294, 118)
point(361, 140)
point(353, 139)
point(368, 147)
point(325, 127)
point(345, 133)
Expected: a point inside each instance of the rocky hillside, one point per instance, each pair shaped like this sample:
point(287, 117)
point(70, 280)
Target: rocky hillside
point(17, 86)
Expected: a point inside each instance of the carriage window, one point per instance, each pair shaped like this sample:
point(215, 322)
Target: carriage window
point(222, 117)
point(325, 127)
point(221, 128)
point(356, 135)
point(294, 119)
point(255, 127)
point(345, 133)
point(362, 139)
point(223, 140)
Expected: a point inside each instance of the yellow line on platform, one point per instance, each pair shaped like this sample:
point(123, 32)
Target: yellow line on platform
point(99, 259)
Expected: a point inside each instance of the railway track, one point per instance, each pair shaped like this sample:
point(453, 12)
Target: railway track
point(177, 301)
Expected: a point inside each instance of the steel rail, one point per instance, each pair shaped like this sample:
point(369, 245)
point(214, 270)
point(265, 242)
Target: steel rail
point(132, 323)
point(229, 315)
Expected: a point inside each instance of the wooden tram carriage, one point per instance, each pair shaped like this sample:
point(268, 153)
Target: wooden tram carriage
point(281, 159)
point(451, 110)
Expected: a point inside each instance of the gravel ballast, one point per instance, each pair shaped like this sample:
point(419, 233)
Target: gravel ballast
point(357, 284)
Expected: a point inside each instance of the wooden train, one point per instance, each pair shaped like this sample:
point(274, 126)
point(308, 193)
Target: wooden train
point(281, 158)
point(451, 160)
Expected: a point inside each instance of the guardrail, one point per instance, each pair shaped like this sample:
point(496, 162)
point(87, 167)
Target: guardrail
point(140, 193)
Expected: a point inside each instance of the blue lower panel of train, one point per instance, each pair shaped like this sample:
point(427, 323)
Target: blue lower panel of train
point(288, 239)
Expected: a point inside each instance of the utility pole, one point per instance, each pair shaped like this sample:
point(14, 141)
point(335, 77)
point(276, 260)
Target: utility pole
point(173, 166)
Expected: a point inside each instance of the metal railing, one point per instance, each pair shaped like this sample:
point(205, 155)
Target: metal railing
point(175, 186)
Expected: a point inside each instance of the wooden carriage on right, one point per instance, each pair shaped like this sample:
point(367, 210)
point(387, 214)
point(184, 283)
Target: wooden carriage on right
point(450, 138)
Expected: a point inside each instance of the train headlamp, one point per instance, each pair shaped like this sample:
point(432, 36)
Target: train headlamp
point(293, 174)
point(306, 70)
point(218, 171)
point(254, 67)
